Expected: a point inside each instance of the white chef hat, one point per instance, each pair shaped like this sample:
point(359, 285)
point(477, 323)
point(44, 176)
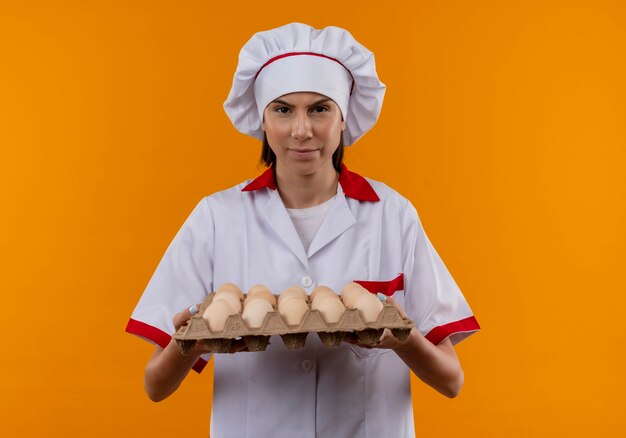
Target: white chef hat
point(298, 57)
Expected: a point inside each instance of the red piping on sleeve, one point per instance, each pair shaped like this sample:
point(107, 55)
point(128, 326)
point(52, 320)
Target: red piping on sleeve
point(157, 336)
point(439, 333)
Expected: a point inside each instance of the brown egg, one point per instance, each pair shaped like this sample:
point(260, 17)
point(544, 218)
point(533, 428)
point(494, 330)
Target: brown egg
point(292, 291)
point(320, 297)
point(216, 315)
point(230, 298)
point(231, 287)
point(292, 310)
point(257, 288)
point(322, 290)
point(332, 309)
point(263, 294)
point(370, 307)
point(286, 300)
point(254, 312)
point(350, 292)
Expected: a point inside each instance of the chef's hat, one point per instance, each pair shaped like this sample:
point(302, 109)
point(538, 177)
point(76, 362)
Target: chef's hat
point(298, 57)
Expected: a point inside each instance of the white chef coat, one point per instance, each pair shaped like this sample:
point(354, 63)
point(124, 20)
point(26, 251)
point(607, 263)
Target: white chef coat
point(244, 235)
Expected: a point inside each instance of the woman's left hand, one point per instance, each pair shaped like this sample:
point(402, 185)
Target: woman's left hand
point(436, 365)
point(387, 340)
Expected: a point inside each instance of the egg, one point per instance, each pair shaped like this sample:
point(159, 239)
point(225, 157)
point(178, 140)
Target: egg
point(286, 300)
point(231, 287)
point(257, 288)
point(322, 292)
point(370, 307)
point(254, 312)
point(292, 310)
point(318, 300)
point(292, 291)
point(350, 292)
point(332, 309)
point(230, 298)
point(216, 315)
point(321, 289)
point(262, 294)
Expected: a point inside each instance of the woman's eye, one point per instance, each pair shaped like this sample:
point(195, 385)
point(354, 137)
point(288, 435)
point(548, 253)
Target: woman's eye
point(282, 109)
point(320, 109)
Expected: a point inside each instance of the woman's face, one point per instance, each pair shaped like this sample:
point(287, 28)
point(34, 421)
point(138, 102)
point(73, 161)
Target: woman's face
point(303, 129)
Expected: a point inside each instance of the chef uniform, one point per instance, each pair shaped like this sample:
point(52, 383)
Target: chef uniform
point(244, 235)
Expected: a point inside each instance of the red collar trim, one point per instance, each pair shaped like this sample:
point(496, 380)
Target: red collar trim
point(353, 184)
point(266, 180)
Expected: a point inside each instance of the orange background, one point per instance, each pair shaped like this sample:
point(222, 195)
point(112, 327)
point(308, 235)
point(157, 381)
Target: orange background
point(504, 124)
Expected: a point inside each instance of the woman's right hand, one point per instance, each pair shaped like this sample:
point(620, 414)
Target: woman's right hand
point(167, 367)
point(181, 318)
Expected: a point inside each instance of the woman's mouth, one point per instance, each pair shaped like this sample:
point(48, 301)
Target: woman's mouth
point(303, 153)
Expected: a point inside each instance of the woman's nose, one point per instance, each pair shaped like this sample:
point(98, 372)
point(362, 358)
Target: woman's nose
point(301, 129)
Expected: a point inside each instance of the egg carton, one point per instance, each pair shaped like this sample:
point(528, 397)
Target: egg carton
point(294, 336)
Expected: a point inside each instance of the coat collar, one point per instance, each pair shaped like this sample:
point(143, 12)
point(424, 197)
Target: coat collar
point(352, 184)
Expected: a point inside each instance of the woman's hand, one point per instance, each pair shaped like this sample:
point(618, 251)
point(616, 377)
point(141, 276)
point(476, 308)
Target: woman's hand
point(168, 366)
point(436, 365)
point(181, 318)
point(387, 340)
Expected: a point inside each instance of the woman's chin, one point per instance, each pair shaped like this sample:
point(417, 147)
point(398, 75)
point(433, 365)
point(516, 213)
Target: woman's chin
point(306, 167)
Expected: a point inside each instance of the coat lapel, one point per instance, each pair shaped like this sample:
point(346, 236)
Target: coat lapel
point(338, 219)
point(278, 219)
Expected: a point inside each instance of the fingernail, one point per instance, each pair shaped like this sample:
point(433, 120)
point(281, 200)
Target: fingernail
point(193, 310)
point(381, 297)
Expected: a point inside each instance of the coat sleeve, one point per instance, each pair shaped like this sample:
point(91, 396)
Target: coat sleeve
point(183, 277)
point(433, 301)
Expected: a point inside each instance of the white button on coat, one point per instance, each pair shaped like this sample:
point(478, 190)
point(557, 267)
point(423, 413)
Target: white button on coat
point(306, 281)
point(246, 237)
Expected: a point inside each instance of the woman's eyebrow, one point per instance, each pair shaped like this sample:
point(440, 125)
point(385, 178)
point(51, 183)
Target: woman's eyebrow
point(319, 102)
point(282, 102)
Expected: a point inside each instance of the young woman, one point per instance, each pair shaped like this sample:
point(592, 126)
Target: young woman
point(309, 221)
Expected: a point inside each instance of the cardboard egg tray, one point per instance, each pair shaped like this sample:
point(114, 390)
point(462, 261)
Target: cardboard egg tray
point(256, 339)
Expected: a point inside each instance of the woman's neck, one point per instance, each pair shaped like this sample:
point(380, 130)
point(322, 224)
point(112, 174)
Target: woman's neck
point(304, 191)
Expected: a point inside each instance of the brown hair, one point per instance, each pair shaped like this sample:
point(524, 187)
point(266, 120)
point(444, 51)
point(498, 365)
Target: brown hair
point(268, 157)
